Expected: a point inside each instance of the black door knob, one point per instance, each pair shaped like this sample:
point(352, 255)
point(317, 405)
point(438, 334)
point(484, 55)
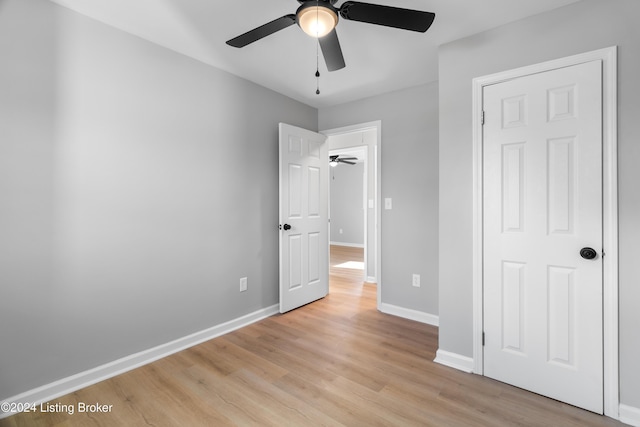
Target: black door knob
point(588, 253)
point(286, 227)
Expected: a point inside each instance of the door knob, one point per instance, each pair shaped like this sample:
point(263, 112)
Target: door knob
point(286, 227)
point(588, 253)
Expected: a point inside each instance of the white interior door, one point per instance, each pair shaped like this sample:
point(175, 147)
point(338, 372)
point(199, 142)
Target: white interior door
point(542, 143)
point(304, 217)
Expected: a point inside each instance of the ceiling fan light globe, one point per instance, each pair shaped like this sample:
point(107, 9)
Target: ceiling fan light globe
point(317, 21)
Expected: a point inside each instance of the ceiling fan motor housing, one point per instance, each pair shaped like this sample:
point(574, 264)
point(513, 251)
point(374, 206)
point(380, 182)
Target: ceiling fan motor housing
point(317, 1)
point(317, 12)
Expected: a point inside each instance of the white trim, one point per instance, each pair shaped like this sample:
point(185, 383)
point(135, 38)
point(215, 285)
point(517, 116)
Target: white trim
point(84, 379)
point(610, 230)
point(630, 415)
point(348, 245)
point(608, 56)
point(407, 313)
point(377, 159)
point(453, 360)
point(370, 279)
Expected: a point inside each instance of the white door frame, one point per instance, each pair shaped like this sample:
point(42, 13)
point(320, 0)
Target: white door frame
point(372, 156)
point(608, 56)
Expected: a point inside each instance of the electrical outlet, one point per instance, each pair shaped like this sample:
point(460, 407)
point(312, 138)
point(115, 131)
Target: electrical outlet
point(243, 284)
point(388, 204)
point(416, 281)
point(340, 231)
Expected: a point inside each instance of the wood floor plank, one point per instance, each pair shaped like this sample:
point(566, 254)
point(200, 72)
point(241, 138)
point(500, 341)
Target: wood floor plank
point(335, 362)
point(338, 408)
point(289, 409)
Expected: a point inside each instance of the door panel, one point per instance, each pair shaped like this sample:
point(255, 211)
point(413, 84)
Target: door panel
point(295, 261)
point(304, 247)
point(561, 178)
point(562, 331)
point(542, 201)
point(513, 187)
point(513, 304)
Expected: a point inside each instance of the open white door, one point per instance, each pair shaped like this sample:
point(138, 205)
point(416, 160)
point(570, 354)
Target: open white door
point(543, 234)
point(304, 217)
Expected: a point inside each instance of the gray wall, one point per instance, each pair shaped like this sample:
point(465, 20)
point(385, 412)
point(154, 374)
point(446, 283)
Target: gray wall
point(347, 208)
point(580, 27)
point(136, 187)
point(410, 177)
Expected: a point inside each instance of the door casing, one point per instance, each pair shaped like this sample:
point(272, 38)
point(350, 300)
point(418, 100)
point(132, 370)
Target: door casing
point(610, 210)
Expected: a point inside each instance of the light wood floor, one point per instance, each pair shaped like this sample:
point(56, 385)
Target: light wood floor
point(335, 362)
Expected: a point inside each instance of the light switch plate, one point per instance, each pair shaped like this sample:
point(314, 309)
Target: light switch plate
point(387, 203)
point(416, 281)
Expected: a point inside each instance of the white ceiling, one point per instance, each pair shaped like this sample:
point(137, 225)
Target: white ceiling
point(379, 59)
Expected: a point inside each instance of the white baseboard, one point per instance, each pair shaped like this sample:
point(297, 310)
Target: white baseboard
point(84, 379)
point(371, 279)
point(349, 245)
point(630, 415)
point(453, 360)
point(418, 316)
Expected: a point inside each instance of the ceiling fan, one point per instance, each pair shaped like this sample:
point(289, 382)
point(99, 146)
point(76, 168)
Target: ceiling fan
point(335, 160)
point(318, 18)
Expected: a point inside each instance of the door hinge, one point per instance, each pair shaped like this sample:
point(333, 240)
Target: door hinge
point(482, 118)
point(483, 338)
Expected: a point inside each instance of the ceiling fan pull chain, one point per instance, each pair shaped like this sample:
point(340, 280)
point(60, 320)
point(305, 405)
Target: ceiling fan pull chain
point(317, 63)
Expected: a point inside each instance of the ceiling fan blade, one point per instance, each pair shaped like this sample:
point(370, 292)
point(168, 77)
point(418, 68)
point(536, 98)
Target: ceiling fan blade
point(347, 162)
point(348, 158)
point(262, 31)
point(406, 19)
point(332, 51)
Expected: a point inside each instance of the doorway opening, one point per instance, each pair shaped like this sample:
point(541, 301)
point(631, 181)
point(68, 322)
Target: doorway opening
point(348, 213)
point(354, 232)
